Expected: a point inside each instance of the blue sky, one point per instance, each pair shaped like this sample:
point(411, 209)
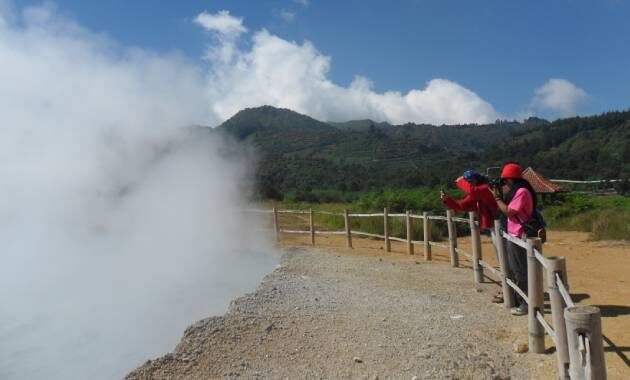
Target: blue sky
point(503, 51)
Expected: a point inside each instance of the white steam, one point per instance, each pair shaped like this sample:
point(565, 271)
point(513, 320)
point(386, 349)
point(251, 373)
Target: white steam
point(117, 228)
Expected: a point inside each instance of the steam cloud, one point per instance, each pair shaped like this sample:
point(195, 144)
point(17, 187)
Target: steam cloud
point(117, 228)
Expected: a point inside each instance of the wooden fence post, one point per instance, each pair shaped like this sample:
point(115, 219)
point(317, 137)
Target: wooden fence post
point(475, 237)
point(276, 226)
point(587, 361)
point(565, 277)
point(452, 239)
point(508, 295)
point(409, 233)
point(312, 226)
point(557, 265)
point(388, 244)
point(535, 297)
point(346, 220)
point(427, 235)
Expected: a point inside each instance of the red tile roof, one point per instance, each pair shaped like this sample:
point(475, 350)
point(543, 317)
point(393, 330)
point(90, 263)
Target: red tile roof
point(540, 183)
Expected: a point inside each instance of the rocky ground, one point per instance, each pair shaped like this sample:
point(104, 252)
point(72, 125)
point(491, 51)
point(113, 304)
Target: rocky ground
point(328, 314)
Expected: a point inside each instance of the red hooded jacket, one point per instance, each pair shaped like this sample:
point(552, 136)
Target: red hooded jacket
point(479, 198)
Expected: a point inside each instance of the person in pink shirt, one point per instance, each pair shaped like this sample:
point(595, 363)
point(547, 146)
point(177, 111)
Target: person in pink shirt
point(517, 204)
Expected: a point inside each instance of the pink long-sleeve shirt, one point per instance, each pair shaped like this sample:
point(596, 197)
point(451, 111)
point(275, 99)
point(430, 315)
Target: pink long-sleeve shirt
point(523, 204)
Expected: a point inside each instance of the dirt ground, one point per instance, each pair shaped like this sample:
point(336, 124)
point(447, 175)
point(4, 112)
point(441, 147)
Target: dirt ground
point(598, 275)
point(597, 270)
point(302, 320)
point(329, 313)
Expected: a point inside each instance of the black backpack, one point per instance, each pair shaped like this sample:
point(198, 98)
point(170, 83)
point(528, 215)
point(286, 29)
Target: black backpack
point(535, 226)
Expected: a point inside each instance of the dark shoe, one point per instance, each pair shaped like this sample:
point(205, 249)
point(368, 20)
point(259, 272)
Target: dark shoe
point(519, 310)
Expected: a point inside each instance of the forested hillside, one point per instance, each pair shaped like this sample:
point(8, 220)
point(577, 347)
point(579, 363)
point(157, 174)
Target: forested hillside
point(596, 147)
point(299, 154)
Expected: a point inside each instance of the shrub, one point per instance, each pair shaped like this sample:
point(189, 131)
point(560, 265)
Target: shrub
point(606, 217)
point(611, 225)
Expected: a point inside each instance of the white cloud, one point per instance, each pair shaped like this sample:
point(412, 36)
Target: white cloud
point(287, 74)
point(559, 95)
point(226, 29)
point(287, 16)
point(222, 22)
point(7, 13)
point(302, 2)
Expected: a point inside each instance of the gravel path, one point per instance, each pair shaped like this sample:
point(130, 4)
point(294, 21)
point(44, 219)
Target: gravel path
point(323, 314)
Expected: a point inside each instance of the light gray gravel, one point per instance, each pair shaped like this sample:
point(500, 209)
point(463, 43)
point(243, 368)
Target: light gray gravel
point(322, 314)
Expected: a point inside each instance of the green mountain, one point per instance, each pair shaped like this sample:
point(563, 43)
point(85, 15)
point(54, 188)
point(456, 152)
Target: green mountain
point(299, 154)
point(594, 147)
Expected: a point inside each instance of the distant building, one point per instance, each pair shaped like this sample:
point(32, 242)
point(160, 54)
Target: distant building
point(541, 184)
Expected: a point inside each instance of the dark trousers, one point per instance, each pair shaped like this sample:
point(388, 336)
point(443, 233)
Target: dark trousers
point(517, 268)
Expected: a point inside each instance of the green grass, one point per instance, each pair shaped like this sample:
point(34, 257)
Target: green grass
point(400, 200)
point(611, 225)
point(603, 224)
point(397, 201)
point(605, 217)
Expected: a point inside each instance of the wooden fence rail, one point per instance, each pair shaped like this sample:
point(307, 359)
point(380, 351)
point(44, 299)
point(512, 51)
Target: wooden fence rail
point(575, 330)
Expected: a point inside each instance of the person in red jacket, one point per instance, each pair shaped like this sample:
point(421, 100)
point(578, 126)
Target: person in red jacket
point(478, 198)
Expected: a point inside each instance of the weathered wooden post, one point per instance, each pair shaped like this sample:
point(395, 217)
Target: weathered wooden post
point(557, 265)
point(346, 220)
point(475, 238)
point(388, 244)
point(535, 297)
point(312, 226)
point(565, 277)
point(409, 233)
point(426, 223)
point(276, 226)
point(452, 239)
point(584, 338)
point(508, 295)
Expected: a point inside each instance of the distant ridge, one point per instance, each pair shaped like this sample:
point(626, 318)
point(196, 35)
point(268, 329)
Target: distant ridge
point(592, 147)
point(300, 153)
point(359, 125)
point(268, 118)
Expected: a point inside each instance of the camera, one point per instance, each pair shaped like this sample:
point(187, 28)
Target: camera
point(496, 183)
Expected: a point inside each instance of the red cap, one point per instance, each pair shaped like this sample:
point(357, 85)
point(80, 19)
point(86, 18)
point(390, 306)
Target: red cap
point(512, 170)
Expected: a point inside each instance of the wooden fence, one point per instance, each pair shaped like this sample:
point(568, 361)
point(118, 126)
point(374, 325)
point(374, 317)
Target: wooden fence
point(575, 330)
